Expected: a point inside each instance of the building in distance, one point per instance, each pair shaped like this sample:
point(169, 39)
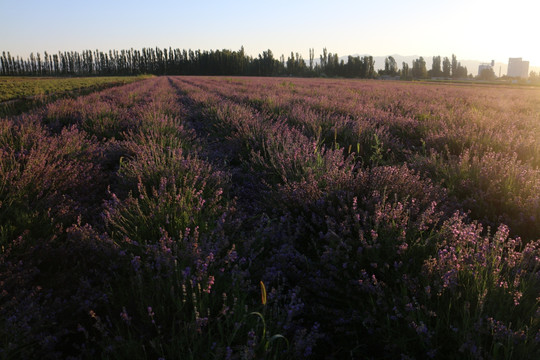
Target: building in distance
point(518, 68)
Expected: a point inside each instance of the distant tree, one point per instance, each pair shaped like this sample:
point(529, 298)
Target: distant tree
point(405, 72)
point(47, 63)
point(32, 64)
point(487, 74)
point(369, 65)
point(10, 64)
point(419, 70)
point(267, 65)
point(390, 66)
point(3, 64)
point(458, 71)
point(296, 65)
point(53, 58)
point(454, 66)
point(436, 67)
point(39, 66)
point(333, 65)
point(324, 58)
point(447, 67)
point(461, 72)
point(353, 68)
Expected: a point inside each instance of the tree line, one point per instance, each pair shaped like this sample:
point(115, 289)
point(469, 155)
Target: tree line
point(439, 69)
point(170, 61)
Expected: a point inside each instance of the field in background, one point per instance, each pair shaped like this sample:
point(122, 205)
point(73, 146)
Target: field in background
point(247, 218)
point(18, 93)
point(24, 87)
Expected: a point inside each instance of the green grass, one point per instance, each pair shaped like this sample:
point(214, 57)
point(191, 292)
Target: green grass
point(20, 94)
point(12, 88)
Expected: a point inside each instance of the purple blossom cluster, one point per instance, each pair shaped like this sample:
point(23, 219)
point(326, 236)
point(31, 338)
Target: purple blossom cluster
point(383, 220)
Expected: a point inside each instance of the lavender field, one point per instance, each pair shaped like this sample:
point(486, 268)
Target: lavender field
point(272, 218)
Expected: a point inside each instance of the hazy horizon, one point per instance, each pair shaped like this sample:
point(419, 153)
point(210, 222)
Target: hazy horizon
point(470, 29)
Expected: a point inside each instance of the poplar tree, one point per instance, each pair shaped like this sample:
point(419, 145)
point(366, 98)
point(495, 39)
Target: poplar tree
point(390, 66)
point(454, 66)
point(446, 67)
point(419, 70)
point(436, 67)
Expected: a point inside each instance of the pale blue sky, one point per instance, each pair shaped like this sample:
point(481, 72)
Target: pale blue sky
point(472, 29)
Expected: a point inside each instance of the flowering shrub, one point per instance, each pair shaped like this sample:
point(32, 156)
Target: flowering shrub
point(487, 287)
point(47, 180)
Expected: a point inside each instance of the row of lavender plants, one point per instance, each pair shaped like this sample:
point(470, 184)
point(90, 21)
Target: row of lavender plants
point(272, 218)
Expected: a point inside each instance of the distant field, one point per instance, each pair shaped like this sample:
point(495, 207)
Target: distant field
point(23, 87)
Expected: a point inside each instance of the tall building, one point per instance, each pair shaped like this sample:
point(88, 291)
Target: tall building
point(518, 68)
point(525, 69)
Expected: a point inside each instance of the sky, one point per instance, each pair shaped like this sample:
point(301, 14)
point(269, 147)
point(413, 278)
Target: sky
point(471, 29)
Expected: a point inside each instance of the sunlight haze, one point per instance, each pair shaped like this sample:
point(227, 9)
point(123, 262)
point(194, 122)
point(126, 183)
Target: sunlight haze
point(473, 30)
